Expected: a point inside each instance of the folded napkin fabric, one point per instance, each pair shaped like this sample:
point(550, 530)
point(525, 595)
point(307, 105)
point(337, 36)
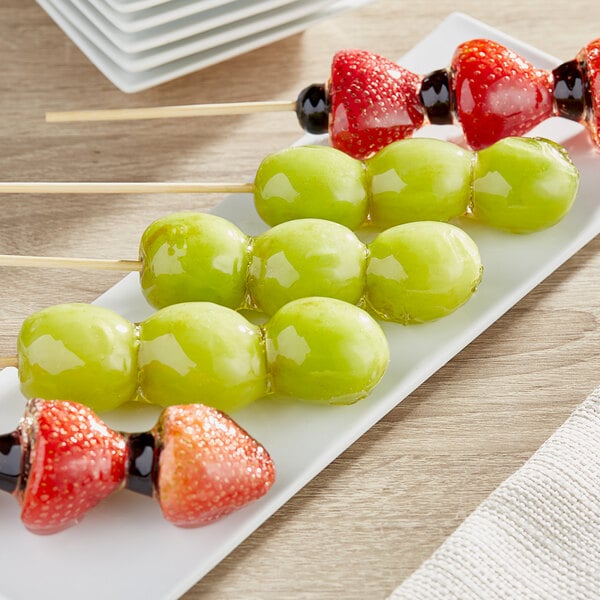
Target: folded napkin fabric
point(537, 536)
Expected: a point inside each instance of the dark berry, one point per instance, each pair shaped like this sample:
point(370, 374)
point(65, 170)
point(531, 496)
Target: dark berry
point(312, 109)
point(10, 461)
point(569, 90)
point(436, 98)
point(141, 463)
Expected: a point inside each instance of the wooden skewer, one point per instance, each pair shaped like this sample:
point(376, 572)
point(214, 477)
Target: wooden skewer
point(52, 187)
point(67, 263)
point(163, 112)
point(59, 262)
point(8, 361)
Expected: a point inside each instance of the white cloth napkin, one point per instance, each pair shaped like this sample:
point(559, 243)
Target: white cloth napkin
point(537, 536)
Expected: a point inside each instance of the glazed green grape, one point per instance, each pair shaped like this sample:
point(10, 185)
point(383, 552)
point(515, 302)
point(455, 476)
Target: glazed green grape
point(330, 352)
point(523, 185)
point(311, 181)
point(518, 184)
point(201, 352)
point(194, 256)
point(307, 257)
point(59, 359)
point(421, 271)
point(418, 179)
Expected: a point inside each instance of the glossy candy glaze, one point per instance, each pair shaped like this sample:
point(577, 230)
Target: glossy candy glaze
point(62, 460)
point(374, 102)
point(208, 466)
point(306, 257)
point(171, 262)
point(414, 179)
point(307, 181)
point(200, 352)
point(418, 180)
point(313, 257)
point(343, 352)
point(421, 271)
point(498, 94)
point(535, 197)
point(589, 59)
point(58, 358)
point(488, 89)
point(73, 462)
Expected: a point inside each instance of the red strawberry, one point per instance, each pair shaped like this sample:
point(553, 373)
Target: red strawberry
point(74, 462)
point(208, 465)
point(201, 466)
point(498, 94)
point(374, 102)
point(590, 57)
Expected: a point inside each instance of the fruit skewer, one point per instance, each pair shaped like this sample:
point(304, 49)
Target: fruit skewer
point(517, 184)
point(62, 460)
point(410, 273)
point(316, 349)
point(369, 101)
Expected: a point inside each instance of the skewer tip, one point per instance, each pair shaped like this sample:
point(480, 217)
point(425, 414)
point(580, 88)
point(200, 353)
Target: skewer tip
point(8, 361)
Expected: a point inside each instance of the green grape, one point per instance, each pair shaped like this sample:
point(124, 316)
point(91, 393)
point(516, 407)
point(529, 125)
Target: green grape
point(191, 257)
point(321, 349)
point(325, 350)
point(421, 271)
point(300, 258)
point(418, 179)
point(311, 181)
point(78, 352)
point(201, 352)
point(523, 184)
point(306, 257)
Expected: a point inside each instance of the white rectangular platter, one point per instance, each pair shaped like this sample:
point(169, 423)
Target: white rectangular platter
point(123, 549)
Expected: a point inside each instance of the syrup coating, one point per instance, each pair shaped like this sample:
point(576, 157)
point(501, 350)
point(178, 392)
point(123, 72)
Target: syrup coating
point(78, 352)
point(488, 89)
point(534, 196)
point(200, 466)
point(421, 271)
point(413, 179)
point(314, 257)
point(194, 352)
point(208, 466)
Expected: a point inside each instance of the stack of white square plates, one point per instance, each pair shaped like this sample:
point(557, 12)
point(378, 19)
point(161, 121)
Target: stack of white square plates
point(141, 43)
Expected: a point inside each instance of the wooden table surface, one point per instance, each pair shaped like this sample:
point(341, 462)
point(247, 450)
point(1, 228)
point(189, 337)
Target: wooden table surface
point(366, 522)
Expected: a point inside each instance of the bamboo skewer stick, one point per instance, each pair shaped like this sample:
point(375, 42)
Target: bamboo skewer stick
point(60, 262)
point(66, 263)
point(8, 361)
point(163, 112)
point(52, 187)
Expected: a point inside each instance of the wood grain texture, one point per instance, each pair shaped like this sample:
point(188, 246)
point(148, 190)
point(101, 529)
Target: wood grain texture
point(365, 523)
